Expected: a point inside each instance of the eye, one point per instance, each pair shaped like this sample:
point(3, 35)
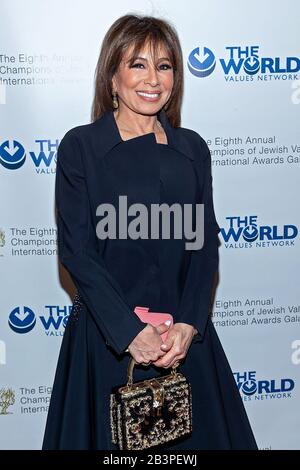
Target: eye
point(165, 66)
point(138, 65)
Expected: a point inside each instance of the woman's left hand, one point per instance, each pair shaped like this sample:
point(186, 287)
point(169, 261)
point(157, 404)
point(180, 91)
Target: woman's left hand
point(176, 345)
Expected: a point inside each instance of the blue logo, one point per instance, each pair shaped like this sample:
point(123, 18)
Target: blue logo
point(250, 233)
point(245, 232)
point(251, 65)
point(201, 62)
point(249, 386)
point(52, 320)
point(22, 321)
point(243, 64)
point(55, 319)
point(13, 156)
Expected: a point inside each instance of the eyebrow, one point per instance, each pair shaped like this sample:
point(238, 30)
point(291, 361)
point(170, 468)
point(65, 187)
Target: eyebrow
point(143, 58)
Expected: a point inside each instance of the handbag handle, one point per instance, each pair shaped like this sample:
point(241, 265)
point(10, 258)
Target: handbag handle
point(131, 365)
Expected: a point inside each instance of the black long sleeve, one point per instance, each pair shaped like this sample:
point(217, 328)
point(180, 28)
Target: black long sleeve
point(196, 296)
point(78, 250)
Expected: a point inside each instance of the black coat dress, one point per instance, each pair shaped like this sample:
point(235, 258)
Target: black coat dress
point(113, 276)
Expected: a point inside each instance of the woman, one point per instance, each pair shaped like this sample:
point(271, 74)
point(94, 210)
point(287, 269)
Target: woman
point(136, 148)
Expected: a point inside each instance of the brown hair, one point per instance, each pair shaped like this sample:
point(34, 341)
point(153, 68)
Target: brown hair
point(136, 30)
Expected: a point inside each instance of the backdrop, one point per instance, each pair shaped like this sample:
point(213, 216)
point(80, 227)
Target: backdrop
point(242, 94)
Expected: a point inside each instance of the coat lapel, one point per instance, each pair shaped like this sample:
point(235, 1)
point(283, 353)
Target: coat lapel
point(107, 136)
point(110, 136)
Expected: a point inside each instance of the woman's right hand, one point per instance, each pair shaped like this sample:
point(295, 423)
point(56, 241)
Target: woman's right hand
point(145, 347)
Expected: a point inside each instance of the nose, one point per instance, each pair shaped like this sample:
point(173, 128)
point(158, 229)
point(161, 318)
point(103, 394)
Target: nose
point(152, 76)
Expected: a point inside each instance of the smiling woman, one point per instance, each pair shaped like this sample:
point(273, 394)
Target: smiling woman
point(138, 94)
point(141, 84)
point(142, 59)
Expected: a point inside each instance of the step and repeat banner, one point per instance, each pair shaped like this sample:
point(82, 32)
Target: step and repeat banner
point(242, 94)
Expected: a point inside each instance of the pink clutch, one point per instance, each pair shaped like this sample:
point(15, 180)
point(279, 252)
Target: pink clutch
point(154, 318)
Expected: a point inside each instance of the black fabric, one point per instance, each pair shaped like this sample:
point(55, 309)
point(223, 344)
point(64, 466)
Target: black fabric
point(113, 276)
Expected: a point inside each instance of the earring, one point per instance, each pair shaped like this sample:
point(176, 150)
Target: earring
point(115, 100)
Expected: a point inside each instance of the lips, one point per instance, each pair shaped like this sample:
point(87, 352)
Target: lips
point(149, 96)
point(149, 92)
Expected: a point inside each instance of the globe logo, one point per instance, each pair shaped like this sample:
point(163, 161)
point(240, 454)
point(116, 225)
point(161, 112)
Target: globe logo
point(13, 156)
point(250, 233)
point(249, 387)
point(22, 321)
point(201, 62)
point(251, 65)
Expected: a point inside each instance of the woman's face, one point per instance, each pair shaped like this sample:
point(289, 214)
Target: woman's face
point(144, 87)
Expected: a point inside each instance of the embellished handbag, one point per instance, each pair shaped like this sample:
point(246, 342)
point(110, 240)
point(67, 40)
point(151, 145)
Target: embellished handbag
point(150, 412)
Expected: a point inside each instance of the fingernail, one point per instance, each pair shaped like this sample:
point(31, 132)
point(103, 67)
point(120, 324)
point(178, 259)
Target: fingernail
point(168, 322)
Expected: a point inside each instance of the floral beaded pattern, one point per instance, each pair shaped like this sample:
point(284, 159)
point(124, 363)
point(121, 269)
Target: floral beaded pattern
point(77, 306)
point(135, 424)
